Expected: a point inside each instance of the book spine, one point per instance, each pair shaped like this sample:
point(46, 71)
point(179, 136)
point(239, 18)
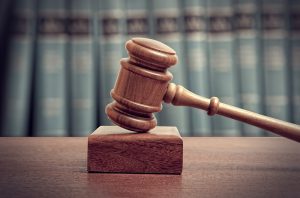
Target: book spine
point(295, 58)
point(111, 46)
point(137, 18)
point(16, 99)
point(248, 60)
point(167, 23)
point(82, 79)
point(6, 7)
point(221, 62)
point(274, 50)
point(50, 111)
point(195, 53)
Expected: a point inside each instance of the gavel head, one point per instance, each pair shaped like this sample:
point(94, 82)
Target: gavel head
point(141, 84)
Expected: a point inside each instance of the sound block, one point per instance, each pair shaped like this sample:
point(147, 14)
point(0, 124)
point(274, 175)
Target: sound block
point(112, 149)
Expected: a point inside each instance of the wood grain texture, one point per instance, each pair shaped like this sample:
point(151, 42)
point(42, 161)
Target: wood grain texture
point(113, 149)
point(143, 83)
point(179, 96)
point(212, 167)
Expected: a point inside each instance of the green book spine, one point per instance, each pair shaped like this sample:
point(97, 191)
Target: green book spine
point(195, 53)
point(248, 60)
point(111, 46)
point(137, 18)
point(6, 7)
point(167, 22)
point(82, 79)
point(295, 58)
point(50, 110)
point(274, 46)
point(221, 62)
point(17, 88)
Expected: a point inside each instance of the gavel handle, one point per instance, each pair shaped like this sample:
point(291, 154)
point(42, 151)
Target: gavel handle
point(179, 96)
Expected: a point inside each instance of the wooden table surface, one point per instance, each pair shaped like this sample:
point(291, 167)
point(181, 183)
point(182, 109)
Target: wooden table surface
point(213, 167)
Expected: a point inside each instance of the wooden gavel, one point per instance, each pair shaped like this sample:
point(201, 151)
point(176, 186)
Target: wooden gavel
point(143, 83)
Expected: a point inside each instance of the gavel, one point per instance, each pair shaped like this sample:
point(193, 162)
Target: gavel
point(144, 82)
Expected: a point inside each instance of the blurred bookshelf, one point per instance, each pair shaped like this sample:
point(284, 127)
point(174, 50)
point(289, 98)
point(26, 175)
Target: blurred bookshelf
point(60, 59)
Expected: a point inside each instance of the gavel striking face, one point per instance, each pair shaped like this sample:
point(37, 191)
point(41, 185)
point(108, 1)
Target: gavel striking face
point(143, 84)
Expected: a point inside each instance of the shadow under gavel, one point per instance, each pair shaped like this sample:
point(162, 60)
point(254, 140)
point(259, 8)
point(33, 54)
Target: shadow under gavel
point(143, 83)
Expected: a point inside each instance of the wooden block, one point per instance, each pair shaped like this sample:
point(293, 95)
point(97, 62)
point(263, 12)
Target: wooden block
point(114, 149)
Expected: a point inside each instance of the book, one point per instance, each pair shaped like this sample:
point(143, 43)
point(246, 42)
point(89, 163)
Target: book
point(111, 46)
point(81, 68)
point(137, 18)
point(50, 90)
point(222, 68)
point(167, 29)
point(274, 50)
point(294, 13)
point(248, 58)
point(6, 22)
point(195, 52)
point(6, 7)
point(16, 97)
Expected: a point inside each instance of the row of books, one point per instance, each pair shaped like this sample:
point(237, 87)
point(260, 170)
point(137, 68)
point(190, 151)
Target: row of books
point(64, 58)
